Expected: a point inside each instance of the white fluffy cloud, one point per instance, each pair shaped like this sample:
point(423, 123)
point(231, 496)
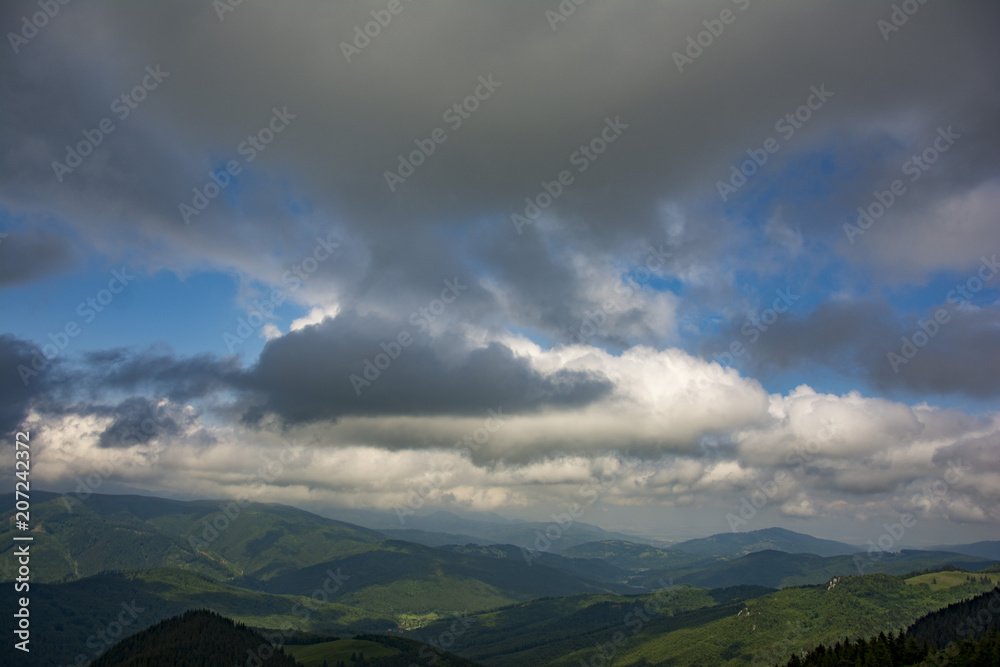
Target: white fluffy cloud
point(836, 456)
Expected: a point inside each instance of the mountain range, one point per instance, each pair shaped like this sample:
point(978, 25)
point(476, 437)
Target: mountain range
point(323, 581)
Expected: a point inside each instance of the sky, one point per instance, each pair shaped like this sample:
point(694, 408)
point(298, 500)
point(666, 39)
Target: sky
point(679, 267)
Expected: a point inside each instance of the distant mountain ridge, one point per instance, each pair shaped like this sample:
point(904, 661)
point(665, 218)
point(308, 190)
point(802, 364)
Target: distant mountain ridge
point(778, 569)
point(486, 528)
point(730, 545)
point(984, 549)
point(281, 549)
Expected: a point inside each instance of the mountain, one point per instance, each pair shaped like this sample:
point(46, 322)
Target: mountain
point(76, 621)
point(280, 549)
point(985, 549)
point(637, 557)
point(195, 639)
point(945, 636)
point(489, 528)
point(432, 539)
point(730, 545)
point(681, 625)
point(541, 632)
point(777, 569)
point(590, 568)
point(217, 538)
point(408, 578)
point(200, 637)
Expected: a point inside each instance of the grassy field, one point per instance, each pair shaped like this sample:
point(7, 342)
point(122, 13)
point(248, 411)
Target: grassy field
point(940, 580)
point(771, 627)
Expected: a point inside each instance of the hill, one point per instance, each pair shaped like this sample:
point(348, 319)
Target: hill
point(488, 528)
point(984, 549)
point(638, 557)
point(377, 651)
point(690, 626)
point(195, 639)
point(81, 619)
point(407, 578)
point(731, 545)
point(946, 636)
point(432, 539)
point(280, 549)
point(771, 627)
point(220, 539)
point(590, 568)
point(777, 569)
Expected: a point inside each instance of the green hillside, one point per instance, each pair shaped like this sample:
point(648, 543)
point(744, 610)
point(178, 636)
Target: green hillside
point(194, 639)
point(948, 636)
point(74, 618)
point(769, 628)
point(77, 539)
point(402, 577)
point(638, 557)
point(543, 631)
point(377, 651)
point(695, 626)
point(280, 549)
point(268, 566)
point(591, 568)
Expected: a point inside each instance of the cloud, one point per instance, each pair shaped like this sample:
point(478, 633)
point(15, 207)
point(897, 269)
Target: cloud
point(33, 254)
point(567, 327)
point(357, 462)
point(158, 370)
point(330, 162)
point(365, 365)
point(136, 421)
point(16, 396)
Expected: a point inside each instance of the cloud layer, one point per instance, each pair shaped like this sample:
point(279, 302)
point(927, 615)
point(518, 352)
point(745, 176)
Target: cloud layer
point(479, 209)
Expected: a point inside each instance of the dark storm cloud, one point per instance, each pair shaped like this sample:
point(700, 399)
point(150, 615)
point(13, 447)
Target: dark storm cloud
point(33, 254)
point(158, 370)
point(961, 357)
point(136, 421)
point(829, 335)
point(307, 375)
point(353, 120)
point(544, 288)
point(685, 129)
point(857, 338)
point(15, 396)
